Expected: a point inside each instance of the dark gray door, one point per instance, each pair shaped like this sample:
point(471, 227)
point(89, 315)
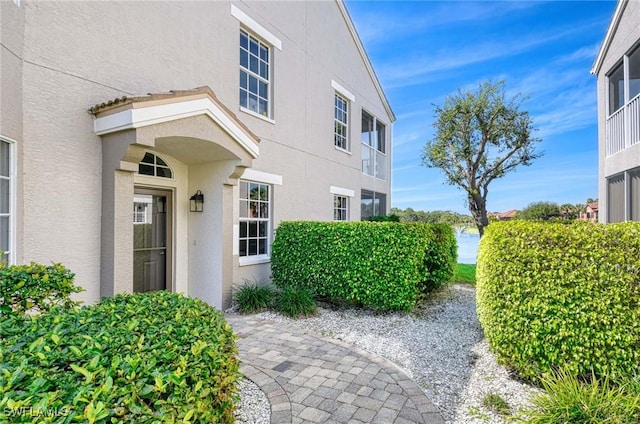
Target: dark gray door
point(151, 240)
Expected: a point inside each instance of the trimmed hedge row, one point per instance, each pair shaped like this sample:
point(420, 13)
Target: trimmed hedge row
point(383, 265)
point(35, 287)
point(155, 357)
point(554, 296)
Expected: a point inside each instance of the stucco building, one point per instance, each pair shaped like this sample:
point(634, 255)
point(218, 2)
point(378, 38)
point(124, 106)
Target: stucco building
point(265, 111)
point(617, 67)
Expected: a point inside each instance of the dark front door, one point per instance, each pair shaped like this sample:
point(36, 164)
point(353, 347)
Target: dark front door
point(151, 240)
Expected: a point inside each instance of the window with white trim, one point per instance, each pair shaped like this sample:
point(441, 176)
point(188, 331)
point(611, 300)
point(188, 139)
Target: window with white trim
point(340, 208)
point(341, 122)
point(374, 158)
point(372, 204)
point(154, 166)
point(254, 74)
point(255, 222)
point(5, 201)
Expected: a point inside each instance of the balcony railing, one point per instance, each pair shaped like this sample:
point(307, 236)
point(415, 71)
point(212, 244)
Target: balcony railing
point(623, 127)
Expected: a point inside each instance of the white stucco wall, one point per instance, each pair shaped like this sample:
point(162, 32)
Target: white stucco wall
point(73, 55)
point(626, 36)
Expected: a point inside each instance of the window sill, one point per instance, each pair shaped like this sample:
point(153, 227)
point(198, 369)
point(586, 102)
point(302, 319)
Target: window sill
point(340, 149)
point(257, 115)
point(254, 260)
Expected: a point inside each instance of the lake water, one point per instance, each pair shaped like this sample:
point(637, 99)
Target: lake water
point(467, 248)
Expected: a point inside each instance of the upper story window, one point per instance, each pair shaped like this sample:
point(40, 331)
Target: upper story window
point(254, 74)
point(154, 166)
point(255, 222)
point(616, 88)
point(634, 73)
point(619, 80)
point(374, 160)
point(341, 122)
point(257, 45)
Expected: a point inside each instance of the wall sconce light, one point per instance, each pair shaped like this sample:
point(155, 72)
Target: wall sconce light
point(196, 201)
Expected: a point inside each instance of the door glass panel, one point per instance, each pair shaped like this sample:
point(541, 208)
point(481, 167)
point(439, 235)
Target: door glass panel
point(150, 230)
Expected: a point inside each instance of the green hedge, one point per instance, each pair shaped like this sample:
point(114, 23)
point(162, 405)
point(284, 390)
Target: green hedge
point(154, 357)
point(441, 254)
point(35, 287)
point(383, 265)
point(556, 296)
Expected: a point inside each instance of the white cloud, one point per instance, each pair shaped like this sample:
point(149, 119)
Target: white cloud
point(426, 65)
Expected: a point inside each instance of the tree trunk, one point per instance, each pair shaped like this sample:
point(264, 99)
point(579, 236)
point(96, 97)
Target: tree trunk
point(478, 209)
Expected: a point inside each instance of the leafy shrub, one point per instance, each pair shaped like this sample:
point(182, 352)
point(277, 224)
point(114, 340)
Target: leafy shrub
point(295, 301)
point(35, 287)
point(154, 357)
point(569, 400)
point(381, 265)
point(253, 297)
point(384, 218)
point(552, 295)
point(540, 211)
point(441, 254)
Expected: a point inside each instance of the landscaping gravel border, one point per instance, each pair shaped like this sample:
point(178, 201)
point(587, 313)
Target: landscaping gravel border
point(440, 346)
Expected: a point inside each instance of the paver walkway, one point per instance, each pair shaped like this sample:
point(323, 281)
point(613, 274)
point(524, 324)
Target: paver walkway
point(313, 379)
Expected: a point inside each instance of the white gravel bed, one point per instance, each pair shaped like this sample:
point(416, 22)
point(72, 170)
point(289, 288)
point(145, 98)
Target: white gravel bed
point(254, 407)
point(441, 347)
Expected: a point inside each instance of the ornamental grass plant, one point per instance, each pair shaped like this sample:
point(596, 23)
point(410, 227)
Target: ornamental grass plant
point(252, 297)
point(600, 400)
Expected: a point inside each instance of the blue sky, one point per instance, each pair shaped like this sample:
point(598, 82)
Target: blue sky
point(423, 51)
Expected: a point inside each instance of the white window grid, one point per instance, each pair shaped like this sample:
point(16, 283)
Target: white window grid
point(254, 74)
point(154, 166)
point(139, 213)
point(340, 208)
point(255, 219)
point(341, 122)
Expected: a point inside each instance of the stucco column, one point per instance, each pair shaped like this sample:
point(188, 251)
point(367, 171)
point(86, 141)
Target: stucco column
point(119, 163)
point(228, 277)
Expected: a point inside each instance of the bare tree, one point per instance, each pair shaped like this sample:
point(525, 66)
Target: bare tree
point(480, 136)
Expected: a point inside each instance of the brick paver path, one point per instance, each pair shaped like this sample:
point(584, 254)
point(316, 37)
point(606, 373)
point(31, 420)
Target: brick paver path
point(313, 379)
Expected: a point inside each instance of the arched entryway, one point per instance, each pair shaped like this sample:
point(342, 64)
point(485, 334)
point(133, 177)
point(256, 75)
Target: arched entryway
point(203, 147)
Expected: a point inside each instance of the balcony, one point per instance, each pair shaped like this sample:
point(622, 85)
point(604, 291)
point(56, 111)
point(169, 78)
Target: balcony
point(623, 127)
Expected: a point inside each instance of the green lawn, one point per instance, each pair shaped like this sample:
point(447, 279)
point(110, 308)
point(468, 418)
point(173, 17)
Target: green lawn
point(466, 273)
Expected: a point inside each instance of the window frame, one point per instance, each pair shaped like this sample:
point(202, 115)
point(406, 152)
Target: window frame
point(155, 166)
point(340, 207)
point(10, 254)
point(339, 98)
point(623, 66)
point(249, 74)
point(258, 257)
point(375, 145)
point(374, 196)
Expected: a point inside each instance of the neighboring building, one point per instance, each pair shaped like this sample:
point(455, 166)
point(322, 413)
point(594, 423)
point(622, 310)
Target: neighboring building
point(505, 216)
point(276, 114)
point(617, 67)
point(590, 213)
